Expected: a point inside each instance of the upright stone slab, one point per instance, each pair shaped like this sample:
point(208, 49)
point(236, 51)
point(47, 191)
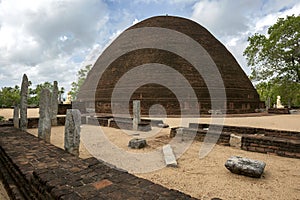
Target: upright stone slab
point(136, 114)
point(72, 131)
point(54, 104)
point(16, 117)
point(23, 103)
point(44, 127)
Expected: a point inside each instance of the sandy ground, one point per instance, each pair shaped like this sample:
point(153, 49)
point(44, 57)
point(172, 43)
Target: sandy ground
point(202, 178)
point(3, 194)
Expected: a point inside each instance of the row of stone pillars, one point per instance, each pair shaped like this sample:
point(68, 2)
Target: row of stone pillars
point(48, 108)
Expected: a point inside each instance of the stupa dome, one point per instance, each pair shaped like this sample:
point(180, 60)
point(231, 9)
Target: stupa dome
point(125, 55)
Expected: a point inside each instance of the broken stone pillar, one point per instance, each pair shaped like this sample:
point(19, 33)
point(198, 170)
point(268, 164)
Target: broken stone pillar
point(54, 104)
point(23, 103)
point(245, 166)
point(72, 131)
point(136, 114)
point(44, 127)
point(16, 116)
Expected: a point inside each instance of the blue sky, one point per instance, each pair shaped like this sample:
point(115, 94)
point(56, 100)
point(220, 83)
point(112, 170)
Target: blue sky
point(52, 39)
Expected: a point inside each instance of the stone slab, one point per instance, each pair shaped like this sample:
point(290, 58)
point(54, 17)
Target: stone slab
point(169, 156)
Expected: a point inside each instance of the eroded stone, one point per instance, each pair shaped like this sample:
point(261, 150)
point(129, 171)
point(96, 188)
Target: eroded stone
point(72, 131)
point(245, 166)
point(137, 143)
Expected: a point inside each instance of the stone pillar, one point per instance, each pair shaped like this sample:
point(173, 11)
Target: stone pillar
point(72, 131)
point(136, 114)
point(54, 104)
point(16, 117)
point(23, 103)
point(44, 128)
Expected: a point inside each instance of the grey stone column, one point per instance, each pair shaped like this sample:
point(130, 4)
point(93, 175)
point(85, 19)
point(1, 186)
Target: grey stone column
point(136, 114)
point(23, 103)
point(54, 104)
point(72, 131)
point(44, 127)
point(16, 116)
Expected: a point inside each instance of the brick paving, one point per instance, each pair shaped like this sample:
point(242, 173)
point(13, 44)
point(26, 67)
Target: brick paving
point(34, 169)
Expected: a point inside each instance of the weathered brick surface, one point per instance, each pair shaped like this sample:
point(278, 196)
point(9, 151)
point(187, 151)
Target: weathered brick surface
point(251, 130)
point(241, 95)
point(34, 169)
point(223, 138)
point(123, 123)
point(278, 142)
point(275, 145)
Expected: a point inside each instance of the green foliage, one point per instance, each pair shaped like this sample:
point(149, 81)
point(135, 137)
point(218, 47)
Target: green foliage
point(276, 56)
point(9, 96)
point(275, 60)
point(34, 94)
point(81, 76)
point(287, 90)
point(2, 118)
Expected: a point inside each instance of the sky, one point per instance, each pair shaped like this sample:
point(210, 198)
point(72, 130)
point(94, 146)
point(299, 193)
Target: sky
point(52, 39)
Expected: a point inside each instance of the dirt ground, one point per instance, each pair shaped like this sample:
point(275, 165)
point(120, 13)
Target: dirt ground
point(205, 178)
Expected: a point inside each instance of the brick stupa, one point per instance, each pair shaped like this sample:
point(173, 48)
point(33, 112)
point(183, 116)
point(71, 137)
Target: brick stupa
point(98, 88)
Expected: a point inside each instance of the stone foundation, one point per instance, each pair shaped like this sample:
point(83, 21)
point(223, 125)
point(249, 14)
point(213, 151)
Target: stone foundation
point(277, 142)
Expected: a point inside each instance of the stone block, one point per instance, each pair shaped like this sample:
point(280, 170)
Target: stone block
point(245, 166)
point(137, 143)
point(163, 125)
point(169, 156)
point(235, 140)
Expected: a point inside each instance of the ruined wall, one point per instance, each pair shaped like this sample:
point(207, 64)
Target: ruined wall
point(33, 169)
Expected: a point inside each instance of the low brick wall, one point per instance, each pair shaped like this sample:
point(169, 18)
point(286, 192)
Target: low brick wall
point(250, 130)
point(62, 108)
point(33, 122)
point(122, 122)
point(278, 142)
point(271, 145)
point(33, 169)
point(279, 110)
point(223, 138)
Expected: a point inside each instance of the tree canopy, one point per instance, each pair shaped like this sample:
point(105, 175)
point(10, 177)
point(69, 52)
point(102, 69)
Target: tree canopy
point(81, 76)
point(10, 96)
point(275, 60)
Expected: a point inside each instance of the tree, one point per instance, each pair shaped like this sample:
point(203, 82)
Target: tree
point(275, 59)
point(34, 94)
point(81, 76)
point(9, 96)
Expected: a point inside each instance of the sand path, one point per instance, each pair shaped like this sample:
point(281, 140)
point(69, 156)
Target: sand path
point(207, 178)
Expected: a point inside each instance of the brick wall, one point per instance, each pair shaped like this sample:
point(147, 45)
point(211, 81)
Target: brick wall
point(30, 168)
point(271, 145)
point(271, 141)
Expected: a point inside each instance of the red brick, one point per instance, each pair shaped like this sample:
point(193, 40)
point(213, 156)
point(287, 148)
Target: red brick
point(259, 149)
point(102, 184)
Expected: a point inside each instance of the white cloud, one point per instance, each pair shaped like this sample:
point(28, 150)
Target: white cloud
point(41, 37)
point(51, 39)
point(232, 22)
